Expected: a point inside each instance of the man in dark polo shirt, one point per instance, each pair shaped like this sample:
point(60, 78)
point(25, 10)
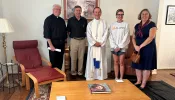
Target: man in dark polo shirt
point(55, 34)
point(76, 28)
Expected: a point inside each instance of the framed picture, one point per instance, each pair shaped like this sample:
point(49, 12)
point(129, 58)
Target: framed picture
point(86, 5)
point(170, 15)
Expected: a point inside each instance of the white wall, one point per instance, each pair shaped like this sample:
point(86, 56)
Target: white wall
point(131, 8)
point(1, 49)
point(166, 38)
point(27, 17)
point(0, 8)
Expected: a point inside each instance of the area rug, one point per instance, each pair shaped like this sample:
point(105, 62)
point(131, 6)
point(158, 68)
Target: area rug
point(173, 74)
point(156, 90)
point(159, 90)
point(44, 93)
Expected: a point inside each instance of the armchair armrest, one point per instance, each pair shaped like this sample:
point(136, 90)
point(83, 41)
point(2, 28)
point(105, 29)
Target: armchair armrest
point(21, 65)
point(14, 59)
point(22, 71)
point(45, 61)
point(61, 72)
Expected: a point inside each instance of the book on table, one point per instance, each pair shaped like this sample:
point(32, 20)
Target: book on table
point(99, 88)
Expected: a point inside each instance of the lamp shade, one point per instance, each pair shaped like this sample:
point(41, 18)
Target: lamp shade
point(5, 26)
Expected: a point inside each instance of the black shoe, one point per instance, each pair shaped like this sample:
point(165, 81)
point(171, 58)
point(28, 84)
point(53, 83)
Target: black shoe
point(81, 76)
point(141, 88)
point(73, 76)
point(137, 85)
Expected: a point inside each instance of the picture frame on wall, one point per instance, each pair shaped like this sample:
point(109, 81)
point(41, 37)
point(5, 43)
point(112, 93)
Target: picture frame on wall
point(170, 15)
point(86, 5)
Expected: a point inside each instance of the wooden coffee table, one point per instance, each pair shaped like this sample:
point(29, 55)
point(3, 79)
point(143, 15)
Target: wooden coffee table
point(78, 90)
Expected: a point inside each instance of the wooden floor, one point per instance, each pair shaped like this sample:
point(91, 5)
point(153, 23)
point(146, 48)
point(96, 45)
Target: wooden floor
point(21, 93)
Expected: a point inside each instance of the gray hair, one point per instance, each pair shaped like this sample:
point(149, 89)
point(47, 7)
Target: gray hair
point(56, 5)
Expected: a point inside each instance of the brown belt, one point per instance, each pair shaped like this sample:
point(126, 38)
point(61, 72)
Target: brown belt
point(79, 38)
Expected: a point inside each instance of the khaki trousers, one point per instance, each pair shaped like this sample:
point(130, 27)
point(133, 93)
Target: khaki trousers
point(77, 50)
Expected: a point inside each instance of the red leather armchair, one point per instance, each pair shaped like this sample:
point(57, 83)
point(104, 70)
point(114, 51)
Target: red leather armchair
point(28, 56)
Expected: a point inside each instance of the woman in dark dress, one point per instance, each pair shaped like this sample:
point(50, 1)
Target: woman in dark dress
point(144, 43)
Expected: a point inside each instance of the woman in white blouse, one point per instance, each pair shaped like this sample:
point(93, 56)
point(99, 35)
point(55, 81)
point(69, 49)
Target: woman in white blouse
point(119, 40)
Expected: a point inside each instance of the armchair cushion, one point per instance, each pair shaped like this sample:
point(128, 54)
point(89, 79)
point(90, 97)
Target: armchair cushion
point(34, 69)
point(27, 53)
point(25, 44)
point(49, 74)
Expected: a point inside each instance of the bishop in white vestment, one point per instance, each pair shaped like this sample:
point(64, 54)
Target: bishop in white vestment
point(97, 34)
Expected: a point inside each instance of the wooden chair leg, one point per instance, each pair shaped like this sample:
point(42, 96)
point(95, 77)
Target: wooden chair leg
point(27, 82)
point(61, 73)
point(35, 81)
point(23, 79)
point(65, 79)
point(36, 90)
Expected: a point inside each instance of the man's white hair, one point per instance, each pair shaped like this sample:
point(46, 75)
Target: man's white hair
point(56, 5)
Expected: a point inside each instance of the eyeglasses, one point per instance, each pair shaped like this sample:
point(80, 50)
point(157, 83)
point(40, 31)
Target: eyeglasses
point(120, 14)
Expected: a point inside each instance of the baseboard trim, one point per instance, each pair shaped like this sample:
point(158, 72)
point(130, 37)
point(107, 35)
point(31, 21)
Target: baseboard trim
point(166, 68)
point(154, 71)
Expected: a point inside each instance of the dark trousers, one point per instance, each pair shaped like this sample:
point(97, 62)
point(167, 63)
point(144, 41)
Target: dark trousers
point(56, 58)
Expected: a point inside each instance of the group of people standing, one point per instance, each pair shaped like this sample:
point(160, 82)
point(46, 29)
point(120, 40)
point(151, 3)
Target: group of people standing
point(97, 33)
